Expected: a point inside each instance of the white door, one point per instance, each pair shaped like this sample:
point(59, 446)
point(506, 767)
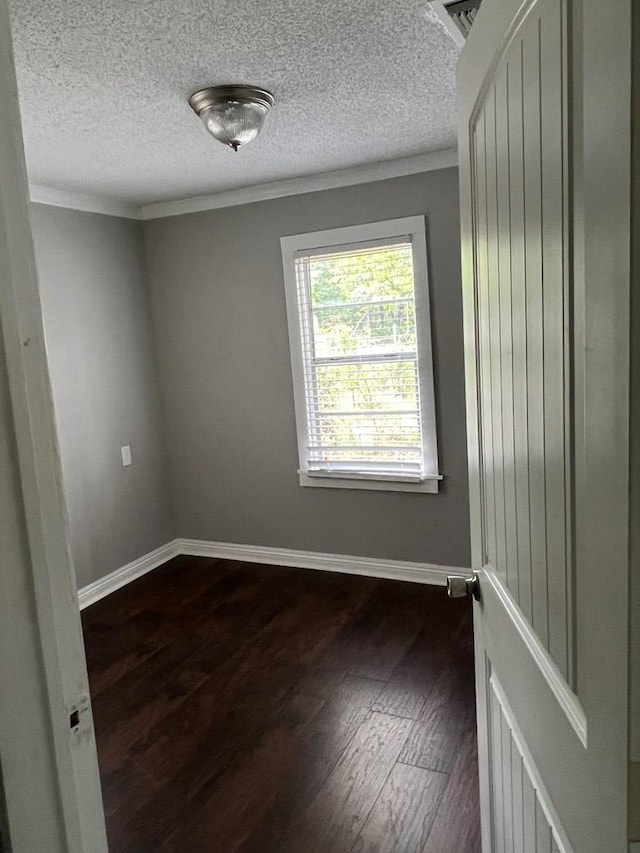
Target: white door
point(50, 782)
point(544, 141)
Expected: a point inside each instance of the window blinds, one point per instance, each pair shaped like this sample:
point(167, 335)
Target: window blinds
point(357, 315)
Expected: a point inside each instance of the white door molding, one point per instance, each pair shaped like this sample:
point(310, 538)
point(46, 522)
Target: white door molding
point(52, 793)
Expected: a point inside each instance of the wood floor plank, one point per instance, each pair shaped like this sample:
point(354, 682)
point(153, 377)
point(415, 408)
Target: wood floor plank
point(456, 826)
point(120, 789)
point(146, 823)
point(374, 643)
point(118, 649)
point(135, 726)
point(448, 715)
point(320, 682)
point(339, 810)
point(129, 717)
point(403, 813)
point(249, 789)
point(324, 742)
point(416, 674)
point(267, 665)
point(254, 682)
point(158, 591)
point(242, 708)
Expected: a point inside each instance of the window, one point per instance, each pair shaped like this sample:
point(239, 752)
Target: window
point(358, 310)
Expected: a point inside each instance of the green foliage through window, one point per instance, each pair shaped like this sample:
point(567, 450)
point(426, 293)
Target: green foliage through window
point(362, 386)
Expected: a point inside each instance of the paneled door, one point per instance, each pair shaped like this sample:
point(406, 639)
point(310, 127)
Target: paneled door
point(544, 141)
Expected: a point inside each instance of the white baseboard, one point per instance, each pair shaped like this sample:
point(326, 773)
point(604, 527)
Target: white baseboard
point(125, 574)
point(371, 566)
point(398, 570)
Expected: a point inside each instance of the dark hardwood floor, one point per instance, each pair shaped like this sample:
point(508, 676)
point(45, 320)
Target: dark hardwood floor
point(267, 710)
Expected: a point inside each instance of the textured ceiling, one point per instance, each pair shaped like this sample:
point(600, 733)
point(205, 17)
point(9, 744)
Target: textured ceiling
point(104, 86)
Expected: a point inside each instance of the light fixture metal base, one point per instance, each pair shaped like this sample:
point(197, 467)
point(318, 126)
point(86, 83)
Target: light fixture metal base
point(213, 95)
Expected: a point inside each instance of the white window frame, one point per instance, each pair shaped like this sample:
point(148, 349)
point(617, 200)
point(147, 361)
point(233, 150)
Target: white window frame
point(413, 227)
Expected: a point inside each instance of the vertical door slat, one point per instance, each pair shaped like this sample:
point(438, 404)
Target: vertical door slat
point(493, 280)
point(551, 136)
point(535, 359)
point(506, 344)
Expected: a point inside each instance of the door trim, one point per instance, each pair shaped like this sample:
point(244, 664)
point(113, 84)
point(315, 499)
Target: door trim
point(566, 698)
point(44, 571)
point(529, 765)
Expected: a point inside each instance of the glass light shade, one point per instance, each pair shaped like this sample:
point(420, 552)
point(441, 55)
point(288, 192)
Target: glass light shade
point(234, 122)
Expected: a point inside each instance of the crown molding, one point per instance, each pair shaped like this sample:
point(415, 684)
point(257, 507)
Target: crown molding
point(80, 201)
point(246, 195)
point(309, 183)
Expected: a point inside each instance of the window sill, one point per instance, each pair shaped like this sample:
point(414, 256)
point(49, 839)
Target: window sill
point(428, 485)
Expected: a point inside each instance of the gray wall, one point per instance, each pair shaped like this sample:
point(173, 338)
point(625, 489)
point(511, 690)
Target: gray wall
point(5, 846)
point(4, 825)
point(634, 456)
point(219, 312)
point(102, 361)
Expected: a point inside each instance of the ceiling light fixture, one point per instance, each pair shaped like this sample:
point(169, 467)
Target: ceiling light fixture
point(234, 115)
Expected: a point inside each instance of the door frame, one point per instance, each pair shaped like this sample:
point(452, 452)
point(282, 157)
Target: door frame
point(49, 766)
point(62, 772)
point(601, 275)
